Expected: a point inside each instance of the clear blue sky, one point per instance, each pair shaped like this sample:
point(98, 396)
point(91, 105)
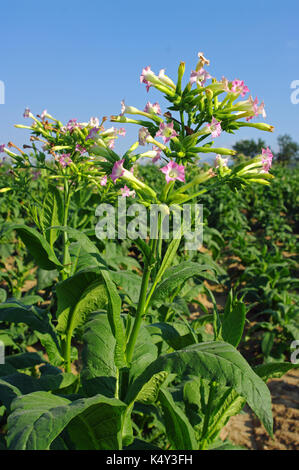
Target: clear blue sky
point(79, 59)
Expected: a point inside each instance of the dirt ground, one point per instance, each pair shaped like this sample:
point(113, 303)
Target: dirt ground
point(245, 429)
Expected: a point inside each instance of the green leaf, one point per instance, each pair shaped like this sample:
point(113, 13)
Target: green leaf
point(214, 361)
point(52, 214)
point(145, 352)
point(274, 370)
point(24, 360)
point(179, 431)
point(18, 384)
point(38, 247)
point(233, 323)
point(116, 323)
point(99, 370)
point(129, 282)
point(39, 418)
point(177, 275)
point(77, 297)
point(168, 258)
point(39, 321)
point(3, 295)
point(210, 406)
point(176, 335)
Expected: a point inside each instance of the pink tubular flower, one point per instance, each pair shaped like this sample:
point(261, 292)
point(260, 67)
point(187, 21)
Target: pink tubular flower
point(103, 181)
point(199, 77)
point(238, 86)
point(117, 170)
point(80, 149)
point(26, 113)
point(215, 127)
point(219, 161)
point(158, 154)
point(94, 122)
point(147, 70)
point(65, 160)
point(111, 144)
point(267, 157)
point(257, 108)
point(166, 131)
point(173, 172)
point(2, 147)
point(72, 124)
point(93, 133)
point(166, 80)
point(43, 115)
point(143, 134)
point(152, 108)
point(122, 131)
point(126, 192)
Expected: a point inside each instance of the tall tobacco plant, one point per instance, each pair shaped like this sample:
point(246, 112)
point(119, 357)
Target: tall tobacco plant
point(148, 379)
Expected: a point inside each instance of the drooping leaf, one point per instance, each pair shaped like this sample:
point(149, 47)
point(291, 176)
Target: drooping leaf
point(99, 370)
point(129, 283)
point(38, 247)
point(114, 317)
point(215, 361)
point(52, 214)
point(38, 320)
point(177, 275)
point(274, 369)
point(77, 297)
point(38, 418)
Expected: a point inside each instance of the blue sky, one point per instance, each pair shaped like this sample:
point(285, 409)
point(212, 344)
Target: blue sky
point(79, 59)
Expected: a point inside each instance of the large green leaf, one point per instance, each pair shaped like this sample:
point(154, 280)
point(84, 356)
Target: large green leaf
point(129, 283)
point(52, 214)
point(116, 323)
point(99, 370)
point(39, 321)
point(179, 430)
point(145, 352)
point(17, 384)
point(177, 275)
point(25, 360)
point(38, 247)
point(40, 417)
point(77, 297)
point(176, 335)
point(215, 361)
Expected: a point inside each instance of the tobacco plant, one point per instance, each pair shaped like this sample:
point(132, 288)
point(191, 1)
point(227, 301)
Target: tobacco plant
point(148, 378)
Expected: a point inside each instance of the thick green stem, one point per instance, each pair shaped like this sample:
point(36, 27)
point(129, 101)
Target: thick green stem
point(182, 122)
point(140, 312)
point(66, 256)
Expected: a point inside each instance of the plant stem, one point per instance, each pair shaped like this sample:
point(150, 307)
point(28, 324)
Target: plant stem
point(140, 312)
point(182, 122)
point(66, 256)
